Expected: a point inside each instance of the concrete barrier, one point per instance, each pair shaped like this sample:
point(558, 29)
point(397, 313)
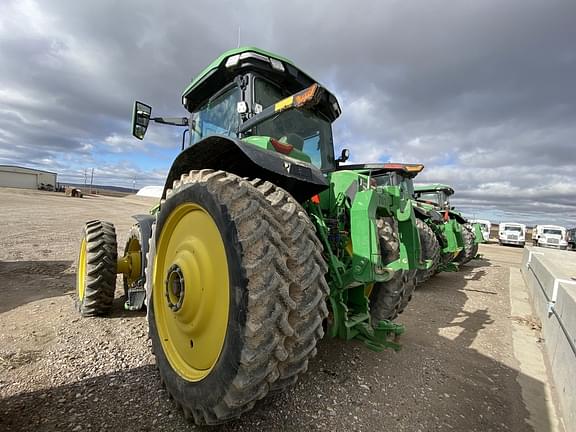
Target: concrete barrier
point(549, 276)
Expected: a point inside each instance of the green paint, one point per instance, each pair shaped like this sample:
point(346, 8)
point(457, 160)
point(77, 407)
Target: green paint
point(346, 220)
point(478, 236)
point(221, 61)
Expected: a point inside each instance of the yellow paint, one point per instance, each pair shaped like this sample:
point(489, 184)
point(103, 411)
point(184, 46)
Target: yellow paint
point(131, 263)
point(123, 264)
point(192, 337)
point(81, 271)
point(414, 168)
point(284, 103)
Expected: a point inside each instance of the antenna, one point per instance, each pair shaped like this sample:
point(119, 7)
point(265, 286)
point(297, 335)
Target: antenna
point(238, 37)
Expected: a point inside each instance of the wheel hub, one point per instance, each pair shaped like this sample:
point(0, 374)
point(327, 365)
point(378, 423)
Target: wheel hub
point(174, 288)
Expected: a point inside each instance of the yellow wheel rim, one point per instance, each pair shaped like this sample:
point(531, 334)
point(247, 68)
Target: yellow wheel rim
point(191, 291)
point(133, 251)
point(81, 271)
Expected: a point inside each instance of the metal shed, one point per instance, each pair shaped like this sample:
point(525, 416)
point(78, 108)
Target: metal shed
point(26, 178)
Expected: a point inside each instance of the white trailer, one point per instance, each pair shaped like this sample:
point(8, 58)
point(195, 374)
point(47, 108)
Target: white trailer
point(552, 236)
point(485, 227)
point(512, 233)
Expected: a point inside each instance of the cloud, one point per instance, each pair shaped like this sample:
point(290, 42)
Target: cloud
point(480, 92)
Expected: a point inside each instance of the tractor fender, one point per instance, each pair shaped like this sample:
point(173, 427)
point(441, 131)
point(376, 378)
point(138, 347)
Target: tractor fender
point(145, 226)
point(303, 180)
point(428, 214)
point(458, 217)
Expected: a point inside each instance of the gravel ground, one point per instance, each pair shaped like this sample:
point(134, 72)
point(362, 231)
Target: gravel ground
point(58, 372)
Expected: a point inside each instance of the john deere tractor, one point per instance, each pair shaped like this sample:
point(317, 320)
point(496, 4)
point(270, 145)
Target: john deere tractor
point(438, 237)
point(261, 238)
point(467, 235)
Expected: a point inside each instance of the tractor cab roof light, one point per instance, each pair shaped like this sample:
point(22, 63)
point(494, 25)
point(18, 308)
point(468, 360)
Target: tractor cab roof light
point(276, 64)
point(235, 59)
point(337, 108)
point(414, 168)
point(250, 54)
point(305, 96)
point(406, 167)
point(232, 61)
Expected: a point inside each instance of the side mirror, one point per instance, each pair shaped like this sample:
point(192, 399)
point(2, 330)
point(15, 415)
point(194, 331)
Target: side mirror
point(343, 156)
point(140, 119)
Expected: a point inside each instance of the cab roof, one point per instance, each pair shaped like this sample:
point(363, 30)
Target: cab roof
point(232, 63)
point(436, 187)
point(405, 170)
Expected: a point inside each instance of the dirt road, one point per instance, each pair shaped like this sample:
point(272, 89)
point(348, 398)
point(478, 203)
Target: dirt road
point(456, 371)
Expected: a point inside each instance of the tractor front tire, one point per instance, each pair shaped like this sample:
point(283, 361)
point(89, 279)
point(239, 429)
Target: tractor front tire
point(238, 293)
point(388, 299)
point(96, 269)
point(470, 247)
point(430, 251)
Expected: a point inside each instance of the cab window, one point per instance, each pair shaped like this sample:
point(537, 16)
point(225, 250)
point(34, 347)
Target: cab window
point(217, 117)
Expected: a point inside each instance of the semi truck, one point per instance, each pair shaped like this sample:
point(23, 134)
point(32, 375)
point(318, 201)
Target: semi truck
point(552, 236)
point(512, 233)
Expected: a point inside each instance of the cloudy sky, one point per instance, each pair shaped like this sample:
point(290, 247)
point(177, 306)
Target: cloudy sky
point(482, 92)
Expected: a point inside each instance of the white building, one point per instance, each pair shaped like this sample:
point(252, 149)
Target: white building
point(26, 178)
point(151, 191)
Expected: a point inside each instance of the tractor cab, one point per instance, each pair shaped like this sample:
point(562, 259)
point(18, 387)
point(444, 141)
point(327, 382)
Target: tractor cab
point(390, 174)
point(436, 194)
point(259, 98)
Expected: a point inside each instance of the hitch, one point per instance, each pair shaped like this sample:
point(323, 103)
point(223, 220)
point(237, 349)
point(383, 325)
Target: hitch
point(386, 334)
point(448, 267)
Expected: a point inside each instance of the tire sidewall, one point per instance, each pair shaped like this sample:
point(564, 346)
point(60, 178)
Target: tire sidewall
point(211, 389)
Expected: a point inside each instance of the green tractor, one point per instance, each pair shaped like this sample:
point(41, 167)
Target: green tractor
point(261, 239)
point(466, 235)
point(440, 239)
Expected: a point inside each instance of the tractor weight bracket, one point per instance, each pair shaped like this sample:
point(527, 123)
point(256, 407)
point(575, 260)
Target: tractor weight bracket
point(426, 265)
point(449, 267)
point(386, 334)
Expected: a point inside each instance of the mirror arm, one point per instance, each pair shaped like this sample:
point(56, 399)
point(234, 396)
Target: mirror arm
point(184, 137)
point(174, 121)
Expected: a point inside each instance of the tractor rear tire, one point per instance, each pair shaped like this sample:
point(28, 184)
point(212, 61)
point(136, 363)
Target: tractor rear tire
point(409, 288)
point(430, 250)
point(262, 263)
point(388, 299)
point(470, 247)
point(96, 270)
point(309, 288)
